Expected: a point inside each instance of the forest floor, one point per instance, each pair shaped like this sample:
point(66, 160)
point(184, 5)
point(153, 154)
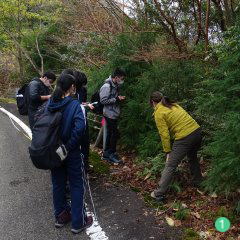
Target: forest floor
point(193, 209)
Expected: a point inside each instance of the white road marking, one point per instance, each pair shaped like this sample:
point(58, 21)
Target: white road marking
point(25, 128)
point(95, 232)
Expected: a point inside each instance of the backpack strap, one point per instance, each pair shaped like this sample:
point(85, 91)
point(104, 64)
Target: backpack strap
point(111, 86)
point(45, 105)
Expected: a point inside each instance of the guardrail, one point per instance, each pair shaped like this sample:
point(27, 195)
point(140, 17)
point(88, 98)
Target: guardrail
point(102, 134)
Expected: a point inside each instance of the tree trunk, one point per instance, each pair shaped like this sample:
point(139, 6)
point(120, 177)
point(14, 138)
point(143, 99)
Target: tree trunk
point(222, 21)
point(207, 25)
point(228, 12)
point(172, 28)
point(198, 17)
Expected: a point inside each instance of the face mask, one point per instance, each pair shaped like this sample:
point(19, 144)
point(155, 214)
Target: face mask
point(47, 83)
point(121, 82)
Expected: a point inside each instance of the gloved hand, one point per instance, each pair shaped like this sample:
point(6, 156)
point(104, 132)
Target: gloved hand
point(62, 152)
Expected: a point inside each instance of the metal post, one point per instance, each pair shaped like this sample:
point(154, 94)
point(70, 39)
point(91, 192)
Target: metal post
point(99, 137)
point(104, 134)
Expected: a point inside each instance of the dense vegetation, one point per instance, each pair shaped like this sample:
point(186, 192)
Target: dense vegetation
point(189, 50)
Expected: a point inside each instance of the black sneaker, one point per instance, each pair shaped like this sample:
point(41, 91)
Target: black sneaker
point(106, 155)
point(113, 158)
point(89, 222)
point(159, 198)
point(116, 155)
point(197, 183)
point(63, 218)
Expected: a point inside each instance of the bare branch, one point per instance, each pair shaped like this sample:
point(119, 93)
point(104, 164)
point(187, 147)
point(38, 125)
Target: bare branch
point(168, 19)
point(24, 51)
point(40, 55)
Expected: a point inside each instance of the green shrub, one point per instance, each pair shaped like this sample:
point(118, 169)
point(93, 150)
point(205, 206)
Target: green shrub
point(181, 213)
point(220, 101)
point(179, 79)
point(53, 53)
point(190, 234)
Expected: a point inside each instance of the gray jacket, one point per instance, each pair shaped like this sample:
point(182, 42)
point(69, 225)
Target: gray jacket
point(108, 97)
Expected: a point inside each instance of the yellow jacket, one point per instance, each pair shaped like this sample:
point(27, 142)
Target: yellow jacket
point(173, 123)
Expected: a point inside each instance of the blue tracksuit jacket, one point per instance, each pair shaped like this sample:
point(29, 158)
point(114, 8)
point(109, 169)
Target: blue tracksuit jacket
point(73, 123)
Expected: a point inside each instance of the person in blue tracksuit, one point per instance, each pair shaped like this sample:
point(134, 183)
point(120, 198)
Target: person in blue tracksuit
point(72, 130)
point(81, 94)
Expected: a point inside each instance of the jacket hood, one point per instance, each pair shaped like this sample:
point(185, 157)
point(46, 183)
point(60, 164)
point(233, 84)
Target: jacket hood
point(60, 105)
point(110, 80)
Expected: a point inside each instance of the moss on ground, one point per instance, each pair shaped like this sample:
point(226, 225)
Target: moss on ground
point(190, 234)
point(99, 166)
point(7, 100)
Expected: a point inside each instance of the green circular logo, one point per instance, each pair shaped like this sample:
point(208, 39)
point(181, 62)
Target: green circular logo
point(222, 224)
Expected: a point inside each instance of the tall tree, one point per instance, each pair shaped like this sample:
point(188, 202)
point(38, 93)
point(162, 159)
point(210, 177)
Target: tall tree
point(18, 19)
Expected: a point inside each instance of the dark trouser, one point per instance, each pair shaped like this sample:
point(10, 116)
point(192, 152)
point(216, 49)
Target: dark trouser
point(72, 170)
point(189, 147)
point(85, 147)
point(112, 135)
point(31, 115)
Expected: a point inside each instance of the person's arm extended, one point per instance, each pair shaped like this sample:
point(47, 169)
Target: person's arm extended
point(104, 95)
point(34, 93)
point(164, 133)
point(77, 131)
point(44, 98)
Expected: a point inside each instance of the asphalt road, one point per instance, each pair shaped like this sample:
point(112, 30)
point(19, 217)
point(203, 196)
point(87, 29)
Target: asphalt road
point(26, 202)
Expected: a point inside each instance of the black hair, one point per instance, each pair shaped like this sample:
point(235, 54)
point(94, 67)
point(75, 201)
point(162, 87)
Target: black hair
point(64, 83)
point(81, 79)
point(68, 71)
point(118, 73)
point(159, 97)
point(49, 75)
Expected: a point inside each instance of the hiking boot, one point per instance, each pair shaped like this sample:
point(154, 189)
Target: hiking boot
point(113, 158)
point(106, 155)
point(116, 155)
point(159, 198)
point(197, 183)
point(63, 218)
point(89, 222)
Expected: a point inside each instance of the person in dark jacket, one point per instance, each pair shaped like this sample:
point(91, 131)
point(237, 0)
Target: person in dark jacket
point(110, 98)
point(72, 131)
point(81, 93)
point(81, 90)
point(39, 92)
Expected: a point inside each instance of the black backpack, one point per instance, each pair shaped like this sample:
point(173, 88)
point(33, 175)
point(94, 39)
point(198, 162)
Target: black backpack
point(22, 98)
point(98, 107)
point(46, 139)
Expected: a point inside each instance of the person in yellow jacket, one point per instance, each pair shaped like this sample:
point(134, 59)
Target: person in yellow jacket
point(175, 125)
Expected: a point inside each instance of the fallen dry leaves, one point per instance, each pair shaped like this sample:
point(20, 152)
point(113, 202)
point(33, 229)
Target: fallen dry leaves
point(170, 221)
point(203, 207)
